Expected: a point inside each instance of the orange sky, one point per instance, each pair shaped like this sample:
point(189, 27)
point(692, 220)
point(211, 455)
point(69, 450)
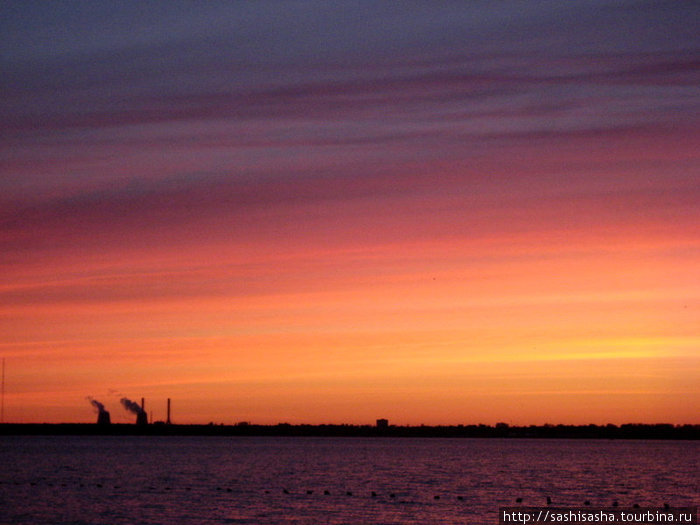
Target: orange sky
point(448, 234)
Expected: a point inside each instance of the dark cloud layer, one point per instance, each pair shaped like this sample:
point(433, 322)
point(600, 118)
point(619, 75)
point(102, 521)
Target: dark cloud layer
point(137, 115)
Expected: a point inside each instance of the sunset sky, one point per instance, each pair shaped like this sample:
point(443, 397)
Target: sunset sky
point(332, 212)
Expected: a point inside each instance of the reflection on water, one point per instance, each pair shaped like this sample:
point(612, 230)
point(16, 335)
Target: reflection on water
point(126, 480)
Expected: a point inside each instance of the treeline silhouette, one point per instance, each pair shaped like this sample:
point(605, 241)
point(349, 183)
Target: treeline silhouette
point(500, 430)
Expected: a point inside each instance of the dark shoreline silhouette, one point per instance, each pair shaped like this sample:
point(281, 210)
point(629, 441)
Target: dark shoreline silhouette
point(501, 430)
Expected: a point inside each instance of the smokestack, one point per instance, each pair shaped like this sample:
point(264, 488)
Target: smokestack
point(142, 418)
point(134, 408)
point(167, 422)
point(102, 414)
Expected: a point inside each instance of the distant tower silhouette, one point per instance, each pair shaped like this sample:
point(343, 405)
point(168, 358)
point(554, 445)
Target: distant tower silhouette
point(102, 414)
point(2, 395)
point(142, 417)
point(103, 418)
point(167, 421)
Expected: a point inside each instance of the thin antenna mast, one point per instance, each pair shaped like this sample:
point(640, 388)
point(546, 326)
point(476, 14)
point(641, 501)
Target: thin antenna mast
point(2, 396)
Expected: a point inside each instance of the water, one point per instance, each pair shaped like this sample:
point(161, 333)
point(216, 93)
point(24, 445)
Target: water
point(241, 480)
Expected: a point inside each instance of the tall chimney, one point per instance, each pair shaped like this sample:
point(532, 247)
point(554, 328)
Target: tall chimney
point(142, 417)
point(103, 418)
point(168, 420)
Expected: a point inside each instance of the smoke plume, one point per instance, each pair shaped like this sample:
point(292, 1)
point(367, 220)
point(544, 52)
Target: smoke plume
point(103, 416)
point(99, 406)
point(132, 407)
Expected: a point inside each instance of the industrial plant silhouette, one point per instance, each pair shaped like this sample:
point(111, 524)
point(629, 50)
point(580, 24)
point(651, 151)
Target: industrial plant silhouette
point(135, 408)
point(381, 428)
point(103, 417)
point(102, 414)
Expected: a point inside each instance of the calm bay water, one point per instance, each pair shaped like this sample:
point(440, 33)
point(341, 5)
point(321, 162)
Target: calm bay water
point(200, 480)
